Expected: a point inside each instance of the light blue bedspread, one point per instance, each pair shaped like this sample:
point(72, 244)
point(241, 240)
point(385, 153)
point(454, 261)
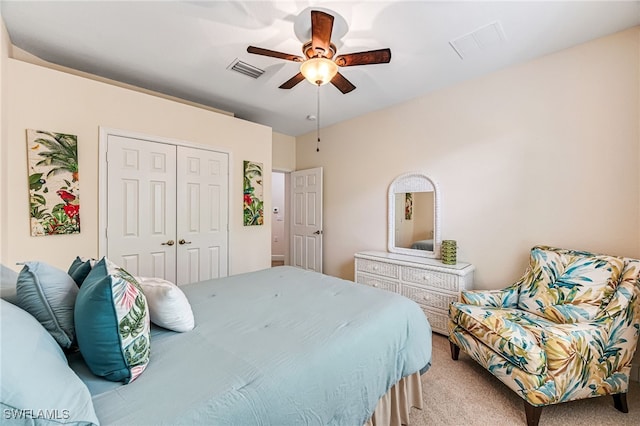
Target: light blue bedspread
point(277, 347)
point(423, 245)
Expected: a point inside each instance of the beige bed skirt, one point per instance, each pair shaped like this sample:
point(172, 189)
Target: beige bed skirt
point(394, 406)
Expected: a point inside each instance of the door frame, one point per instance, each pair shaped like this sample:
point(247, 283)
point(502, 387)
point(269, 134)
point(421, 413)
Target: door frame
point(104, 133)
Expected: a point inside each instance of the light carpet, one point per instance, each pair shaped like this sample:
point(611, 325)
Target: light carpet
point(463, 393)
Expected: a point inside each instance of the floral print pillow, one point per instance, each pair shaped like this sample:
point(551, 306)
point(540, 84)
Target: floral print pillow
point(112, 323)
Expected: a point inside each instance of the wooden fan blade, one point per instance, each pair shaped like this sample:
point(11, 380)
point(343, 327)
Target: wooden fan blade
point(381, 56)
point(344, 85)
point(292, 81)
point(321, 27)
point(274, 54)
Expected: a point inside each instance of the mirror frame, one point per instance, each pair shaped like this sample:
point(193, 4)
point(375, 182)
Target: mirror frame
point(413, 182)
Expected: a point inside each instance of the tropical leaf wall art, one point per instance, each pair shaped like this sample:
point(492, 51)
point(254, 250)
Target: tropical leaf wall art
point(253, 194)
point(408, 206)
point(54, 192)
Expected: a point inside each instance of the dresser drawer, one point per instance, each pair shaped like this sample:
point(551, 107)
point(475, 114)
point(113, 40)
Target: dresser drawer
point(439, 322)
point(378, 282)
point(378, 268)
point(429, 298)
point(428, 282)
point(434, 279)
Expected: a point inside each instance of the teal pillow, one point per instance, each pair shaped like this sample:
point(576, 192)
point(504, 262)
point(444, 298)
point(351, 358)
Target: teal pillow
point(48, 293)
point(35, 380)
point(112, 323)
point(79, 269)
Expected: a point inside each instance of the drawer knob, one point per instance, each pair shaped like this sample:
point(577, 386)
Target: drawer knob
point(375, 267)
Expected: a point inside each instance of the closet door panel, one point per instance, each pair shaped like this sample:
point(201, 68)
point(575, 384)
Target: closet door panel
point(203, 203)
point(141, 210)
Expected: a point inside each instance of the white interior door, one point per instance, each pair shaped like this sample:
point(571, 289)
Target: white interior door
point(202, 179)
point(306, 221)
point(141, 207)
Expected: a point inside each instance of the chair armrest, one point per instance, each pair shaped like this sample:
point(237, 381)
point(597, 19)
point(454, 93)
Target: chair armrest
point(503, 298)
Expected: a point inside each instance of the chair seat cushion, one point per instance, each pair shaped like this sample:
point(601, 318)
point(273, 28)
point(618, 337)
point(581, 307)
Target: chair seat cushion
point(512, 333)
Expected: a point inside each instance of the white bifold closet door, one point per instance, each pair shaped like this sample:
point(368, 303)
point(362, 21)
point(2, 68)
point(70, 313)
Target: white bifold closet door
point(202, 214)
point(167, 210)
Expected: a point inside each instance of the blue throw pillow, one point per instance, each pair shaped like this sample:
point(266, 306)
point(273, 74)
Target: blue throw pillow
point(112, 323)
point(36, 384)
point(79, 269)
point(8, 281)
point(48, 293)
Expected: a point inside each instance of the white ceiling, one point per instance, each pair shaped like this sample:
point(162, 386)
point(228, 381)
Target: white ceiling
point(183, 48)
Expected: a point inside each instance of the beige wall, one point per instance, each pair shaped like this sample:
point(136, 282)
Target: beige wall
point(635, 370)
point(5, 48)
point(46, 99)
point(284, 152)
point(541, 153)
point(24, 56)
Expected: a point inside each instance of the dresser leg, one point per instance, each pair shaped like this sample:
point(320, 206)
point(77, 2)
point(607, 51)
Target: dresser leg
point(455, 350)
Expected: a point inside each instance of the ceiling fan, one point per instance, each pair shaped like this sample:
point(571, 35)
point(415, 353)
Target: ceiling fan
point(319, 64)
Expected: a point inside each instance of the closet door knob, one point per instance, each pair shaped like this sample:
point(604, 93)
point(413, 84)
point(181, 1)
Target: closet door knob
point(168, 243)
point(182, 241)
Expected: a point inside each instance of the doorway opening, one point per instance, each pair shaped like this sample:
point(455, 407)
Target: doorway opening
point(280, 218)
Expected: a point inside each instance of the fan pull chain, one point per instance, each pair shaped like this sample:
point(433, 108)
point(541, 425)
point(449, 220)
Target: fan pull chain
point(318, 122)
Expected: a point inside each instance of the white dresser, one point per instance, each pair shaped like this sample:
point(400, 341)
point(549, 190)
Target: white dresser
point(429, 282)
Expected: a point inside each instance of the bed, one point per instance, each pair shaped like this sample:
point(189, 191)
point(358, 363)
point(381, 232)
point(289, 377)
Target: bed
point(282, 346)
point(423, 245)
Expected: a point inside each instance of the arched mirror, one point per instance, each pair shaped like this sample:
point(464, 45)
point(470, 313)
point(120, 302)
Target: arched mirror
point(414, 220)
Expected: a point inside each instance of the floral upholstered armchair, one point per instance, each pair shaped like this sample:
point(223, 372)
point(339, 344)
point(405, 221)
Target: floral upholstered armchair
point(566, 330)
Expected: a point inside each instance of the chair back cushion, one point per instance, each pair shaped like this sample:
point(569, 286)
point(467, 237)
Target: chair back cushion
point(567, 286)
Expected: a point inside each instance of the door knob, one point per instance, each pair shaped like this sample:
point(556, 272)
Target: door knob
point(168, 243)
point(182, 241)
point(318, 232)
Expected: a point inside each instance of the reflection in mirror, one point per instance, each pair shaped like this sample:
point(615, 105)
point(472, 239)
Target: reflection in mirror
point(414, 220)
point(414, 223)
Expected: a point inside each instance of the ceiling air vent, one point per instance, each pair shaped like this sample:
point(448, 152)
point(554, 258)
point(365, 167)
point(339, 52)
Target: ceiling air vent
point(244, 68)
point(481, 40)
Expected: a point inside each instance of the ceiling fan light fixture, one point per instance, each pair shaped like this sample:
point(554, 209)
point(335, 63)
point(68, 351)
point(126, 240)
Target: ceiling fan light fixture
point(319, 70)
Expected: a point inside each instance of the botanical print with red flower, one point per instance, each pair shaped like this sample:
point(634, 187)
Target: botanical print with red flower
point(253, 205)
point(408, 206)
point(54, 193)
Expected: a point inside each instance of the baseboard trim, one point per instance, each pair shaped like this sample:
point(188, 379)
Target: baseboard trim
point(277, 257)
